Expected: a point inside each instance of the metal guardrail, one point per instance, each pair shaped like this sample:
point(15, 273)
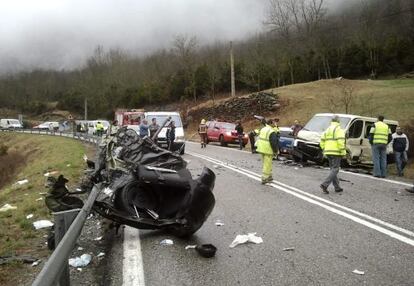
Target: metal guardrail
point(67, 228)
point(85, 137)
point(53, 267)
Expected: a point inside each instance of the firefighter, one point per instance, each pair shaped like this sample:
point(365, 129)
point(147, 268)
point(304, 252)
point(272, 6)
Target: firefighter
point(333, 146)
point(202, 130)
point(267, 145)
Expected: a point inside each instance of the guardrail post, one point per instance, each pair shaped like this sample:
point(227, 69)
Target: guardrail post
point(63, 220)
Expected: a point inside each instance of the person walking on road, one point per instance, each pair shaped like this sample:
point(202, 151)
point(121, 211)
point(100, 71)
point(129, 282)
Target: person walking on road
point(267, 145)
point(400, 146)
point(171, 136)
point(239, 129)
point(333, 147)
point(380, 136)
point(277, 131)
point(202, 130)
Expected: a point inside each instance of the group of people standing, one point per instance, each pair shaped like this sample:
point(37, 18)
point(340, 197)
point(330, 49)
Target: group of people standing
point(333, 145)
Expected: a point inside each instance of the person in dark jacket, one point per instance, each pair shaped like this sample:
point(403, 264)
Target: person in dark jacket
point(171, 135)
point(153, 128)
point(143, 128)
point(400, 146)
point(239, 129)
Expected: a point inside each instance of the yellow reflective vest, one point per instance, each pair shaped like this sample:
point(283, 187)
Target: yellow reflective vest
point(333, 140)
point(99, 126)
point(263, 143)
point(380, 132)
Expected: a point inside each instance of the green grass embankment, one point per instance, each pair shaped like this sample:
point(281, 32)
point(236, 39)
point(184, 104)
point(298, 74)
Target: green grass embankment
point(41, 154)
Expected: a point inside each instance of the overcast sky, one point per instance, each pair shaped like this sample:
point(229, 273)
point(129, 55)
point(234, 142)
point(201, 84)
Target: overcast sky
point(61, 34)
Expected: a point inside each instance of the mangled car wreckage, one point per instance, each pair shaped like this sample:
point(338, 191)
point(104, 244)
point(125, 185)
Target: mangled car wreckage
point(147, 187)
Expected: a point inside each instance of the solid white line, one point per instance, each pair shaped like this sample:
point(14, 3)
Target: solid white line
point(342, 171)
point(389, 225)
point(312, 201)
point(133, 269)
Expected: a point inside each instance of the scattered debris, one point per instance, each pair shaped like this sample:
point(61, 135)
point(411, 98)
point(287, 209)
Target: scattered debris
point(98, 238)
point(68, 165)
point(23, 258)
point(80, 248)
point(43, 193)
point(289, 249)
point(22, 182)
point(79, 269)
point(50, 173)
point(81, 261)
point(296, 168)
point(167, 242)
point(29, 216)
point(219, 223)
point(39, 199)
point(37, 262)
point(100, 254)
point(191, 246)
point(359, 272)
point(7, 207)
point(42, 224)
point(78, 190)
point(206, 250)
point(243, 238)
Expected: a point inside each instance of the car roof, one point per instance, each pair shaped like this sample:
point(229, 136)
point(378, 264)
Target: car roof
point(352, 116)
point(149, 113)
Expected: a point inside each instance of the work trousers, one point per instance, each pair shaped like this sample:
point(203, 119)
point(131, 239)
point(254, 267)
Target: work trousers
point(240, 138)
point(267, 166)
point(400, 161)
point(334, 165)
point(203, 137)
point(379, 158)
point(252, 140)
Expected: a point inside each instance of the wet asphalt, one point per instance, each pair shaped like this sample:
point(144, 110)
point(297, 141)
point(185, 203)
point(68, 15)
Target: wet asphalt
point(329, 242)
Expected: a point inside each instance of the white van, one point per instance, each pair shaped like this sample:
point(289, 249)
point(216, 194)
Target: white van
point(161, 116)
point(10, 124)
point(358, 149)
point(92, 126)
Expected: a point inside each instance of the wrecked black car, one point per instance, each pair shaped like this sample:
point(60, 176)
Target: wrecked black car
point(147, 187)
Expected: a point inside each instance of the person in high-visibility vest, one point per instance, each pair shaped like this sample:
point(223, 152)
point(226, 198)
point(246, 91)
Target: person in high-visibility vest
point(267, 145)
point(380, 136)
point(333, 147)
point(99, 128)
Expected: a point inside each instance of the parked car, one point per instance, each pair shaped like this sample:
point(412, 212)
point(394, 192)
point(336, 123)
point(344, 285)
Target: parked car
point(161, 116)
point(10, 124)
point(224, 132)
point(46, 125)
point(286, 140)
point(358, 150)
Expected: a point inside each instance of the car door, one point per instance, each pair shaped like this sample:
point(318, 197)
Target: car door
point(354, 140)
point(366, 154)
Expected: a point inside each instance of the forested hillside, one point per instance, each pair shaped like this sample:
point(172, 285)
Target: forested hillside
point(301, 41)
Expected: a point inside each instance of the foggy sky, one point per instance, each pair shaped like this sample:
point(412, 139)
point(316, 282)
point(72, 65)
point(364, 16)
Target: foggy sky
point(62, 34)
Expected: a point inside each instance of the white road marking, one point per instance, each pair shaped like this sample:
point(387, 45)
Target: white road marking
point(133, 269)
point(320, 202)
point(342, 171)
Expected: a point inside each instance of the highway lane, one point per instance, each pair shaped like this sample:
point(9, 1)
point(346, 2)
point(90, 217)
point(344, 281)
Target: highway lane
point(368, 227)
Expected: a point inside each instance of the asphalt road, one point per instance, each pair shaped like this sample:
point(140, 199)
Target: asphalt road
point(369, 227)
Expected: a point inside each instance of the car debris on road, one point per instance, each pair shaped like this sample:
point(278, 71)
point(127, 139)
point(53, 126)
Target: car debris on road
point(243, 238)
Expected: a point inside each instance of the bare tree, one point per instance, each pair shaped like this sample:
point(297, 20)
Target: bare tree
point(185, 50)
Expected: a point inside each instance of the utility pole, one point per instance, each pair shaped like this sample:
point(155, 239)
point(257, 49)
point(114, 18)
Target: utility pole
point(86, 109)
point(233, 86)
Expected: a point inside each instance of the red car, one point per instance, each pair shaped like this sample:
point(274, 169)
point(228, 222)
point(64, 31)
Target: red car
point(223, 132)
